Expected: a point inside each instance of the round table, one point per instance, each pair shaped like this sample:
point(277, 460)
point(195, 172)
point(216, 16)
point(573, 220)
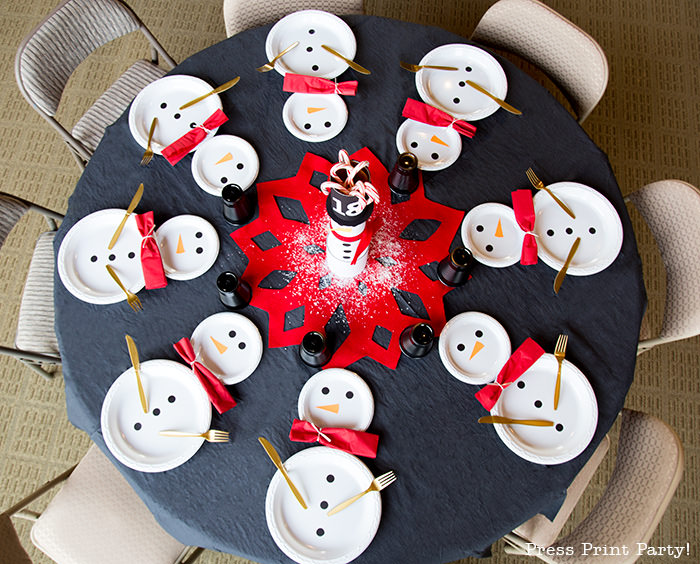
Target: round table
point(459, 487)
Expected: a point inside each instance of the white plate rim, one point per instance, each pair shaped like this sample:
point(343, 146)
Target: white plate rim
point(490, 108)
point(338, 103)
point(277, 481)
point(444, 356)
point(106, 404)
point(118, 295)
point(467, 241)
point(251, 328)
point(206, 226)
point(569, 370)
point(450, 132)
point(221, 139)
point(343, 373)
point(560, 189)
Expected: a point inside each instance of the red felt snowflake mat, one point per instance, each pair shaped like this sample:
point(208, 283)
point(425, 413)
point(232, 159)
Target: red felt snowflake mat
point(295, 241)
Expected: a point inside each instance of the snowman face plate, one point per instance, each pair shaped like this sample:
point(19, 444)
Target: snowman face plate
point(314, 117)
point(325, 477)
point(188, 245)
point(493, 236)
point(83, 255)
point(474, 347)
point(229, 345)
point(434, 147)
point(597, 223)
point(222, 160)
point(449, 91)
point(162, 99)
point(311, 28)
point(532, 397)
point(336, 398)
point(177, 402)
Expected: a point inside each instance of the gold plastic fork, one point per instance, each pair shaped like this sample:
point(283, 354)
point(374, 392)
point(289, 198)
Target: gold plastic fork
point(218, 90)
point(497, 419)
point(271, 64)
point(131, 298)
point(352, 64)
point(377, 485)
point(416, 68)
point(537, 183)
point(559, 353)
point(212, 435)
point(148, 154)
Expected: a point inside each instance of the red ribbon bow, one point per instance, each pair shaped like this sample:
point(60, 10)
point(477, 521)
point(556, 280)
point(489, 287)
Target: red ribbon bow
point(317, 85)
point(359, 443)
point(180, 147)
point(523, 358)
point(418, 111)
point(525, 216)
point(218, 394)
point(151, 261)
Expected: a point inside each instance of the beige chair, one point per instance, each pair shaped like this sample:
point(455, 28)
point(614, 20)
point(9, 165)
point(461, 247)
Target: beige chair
point(647, 471)
point(35, 339)
point(240, 15)
point(95, 518)
point(49, 55)
point(571, 58)
point(671, 209)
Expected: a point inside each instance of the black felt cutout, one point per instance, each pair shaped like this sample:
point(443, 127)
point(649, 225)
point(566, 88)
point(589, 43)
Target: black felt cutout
point(266, 241)
point(420, 229)
point(277, 279)
point(382, 336)
point(314, 249)
point(337, 329)
point(410, 304)
point(317, 178)
point(430, 270)
point(291, 209)
point(362, 288)
point(325, 281)
point(294, 318)
point(386, 261)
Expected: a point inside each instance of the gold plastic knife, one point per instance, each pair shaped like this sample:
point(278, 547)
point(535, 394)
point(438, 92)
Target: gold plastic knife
point(505, 105)
point(132, 206)
point(352, 64)
point(277, 461)
point(134, 355)
point(509, 421)
point(218, 90)
point(560, 276)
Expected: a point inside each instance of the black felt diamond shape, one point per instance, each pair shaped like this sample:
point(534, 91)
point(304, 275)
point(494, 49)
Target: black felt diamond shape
point(277, 279)
point(410, 304)
point(291, 209)
point(420, 229)
point(266, 241)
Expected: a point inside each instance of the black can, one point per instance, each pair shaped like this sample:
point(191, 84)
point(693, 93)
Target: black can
point(403, 179)
point(313, 349)
point(234, 293)
point(417, 340)
point(239, 205)
point(455, 269)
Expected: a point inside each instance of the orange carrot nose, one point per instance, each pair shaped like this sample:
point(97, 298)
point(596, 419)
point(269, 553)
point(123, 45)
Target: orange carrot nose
point(436, 139)
point(499, 229)
point(180, 247)
point(219, 347)
point(477, 347)
point(226, 157)
point(312, 110)
point(334, 407)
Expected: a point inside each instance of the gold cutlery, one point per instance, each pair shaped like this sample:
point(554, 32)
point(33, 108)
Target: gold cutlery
point(352, 64)
point(134, 356)
point(416, 68)
point(537, 183)
point(560, 276)
point(148, 154)
point(131, 298)
point(505, 105)
point(559, 352)
point(132, 206)
point(508, 421)
point(377, 485)
point(277, 461)
point(271, 64)
point(218, 90)
point(212, 435)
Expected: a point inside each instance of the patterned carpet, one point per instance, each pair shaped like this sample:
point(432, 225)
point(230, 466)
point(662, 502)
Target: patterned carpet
point(648, 123)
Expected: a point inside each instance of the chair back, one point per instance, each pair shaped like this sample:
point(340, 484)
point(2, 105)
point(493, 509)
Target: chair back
point(567, 54)
point(671, 209)
point(53, 50)
point(240, 15)
point(11, 211)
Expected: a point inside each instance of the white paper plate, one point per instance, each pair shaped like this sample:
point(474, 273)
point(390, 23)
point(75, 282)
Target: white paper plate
point(222, 160)
point(493, 236)
point(434, 147)
point(162, 99)
point(449, 91)
point(229, 345)
point(83, 255)
point(597, 223)
point(336, 397)
point(474, 347)
point(311, 28)
point(314, 117)
point(325, 477)
point(176, 402)
point(188, 246)
point(532, 397)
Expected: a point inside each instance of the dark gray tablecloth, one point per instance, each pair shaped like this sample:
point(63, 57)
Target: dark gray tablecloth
point(459, 487)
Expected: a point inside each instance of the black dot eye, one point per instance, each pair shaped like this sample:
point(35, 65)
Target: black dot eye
point(199, 250)
point(93, 258)
point(327, 124)
point(569, 231)
point(460, 347)
point(479, 228)
point(456, 100)
point(479, 334)
point(435, 156)
point(240, 166)
point(349, 395)
point(241, 345)
point(330, 478)
point(171, 399)
point(224, 180)
point(199, 235)
point(559, 427)
point(314, 68)
point(307, 126)
point(324, 505)
point(112, 257)
point(320, 532)
point(156, 412)
point(550, 232)
point(414, 144)
point(131, 255)
point(137, 426)
point(468, 69)
point(591, 230)
point(177, 116)
point(164, 105)
point(489, 248)
point(462, 84)
point(538, 404)
point(312, 31)
point(309, 49)
point(325, 391)
point(232, 334)
point(193, 125)
point(521, 385)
